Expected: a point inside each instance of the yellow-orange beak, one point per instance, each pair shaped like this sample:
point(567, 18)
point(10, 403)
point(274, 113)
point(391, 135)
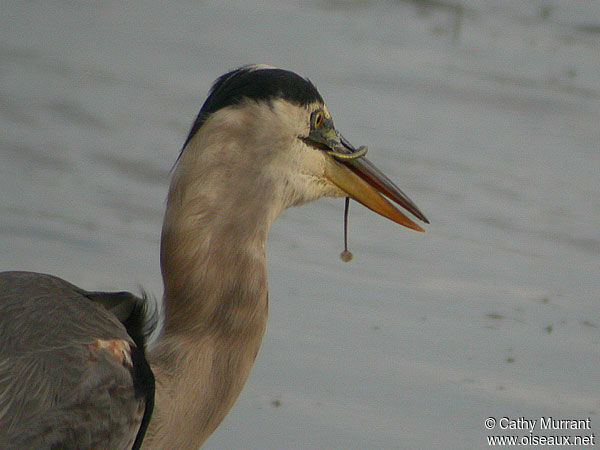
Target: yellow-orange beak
point(358, 178)
point(362, 181)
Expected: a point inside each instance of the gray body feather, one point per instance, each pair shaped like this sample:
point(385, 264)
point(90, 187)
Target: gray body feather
point(57, 389)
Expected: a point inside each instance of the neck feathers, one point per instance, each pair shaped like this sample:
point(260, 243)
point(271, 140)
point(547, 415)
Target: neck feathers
point(213, 238)
point(215, 298)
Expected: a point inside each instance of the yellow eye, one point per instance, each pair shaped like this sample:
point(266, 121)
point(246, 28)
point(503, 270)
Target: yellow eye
point(318, 118)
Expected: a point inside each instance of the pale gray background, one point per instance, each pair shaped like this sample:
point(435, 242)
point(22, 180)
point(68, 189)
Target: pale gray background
point(486, 115)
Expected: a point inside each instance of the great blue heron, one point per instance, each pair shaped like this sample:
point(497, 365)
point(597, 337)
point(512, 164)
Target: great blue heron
point(73, 366)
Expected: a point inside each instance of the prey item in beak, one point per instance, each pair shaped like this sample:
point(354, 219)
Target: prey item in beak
point(365, 183)
point(365, 191)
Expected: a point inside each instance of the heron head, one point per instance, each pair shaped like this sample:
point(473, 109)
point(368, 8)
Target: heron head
point(284, 133)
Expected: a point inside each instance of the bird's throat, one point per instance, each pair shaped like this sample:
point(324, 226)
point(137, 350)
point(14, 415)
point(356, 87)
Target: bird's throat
point(215, 304)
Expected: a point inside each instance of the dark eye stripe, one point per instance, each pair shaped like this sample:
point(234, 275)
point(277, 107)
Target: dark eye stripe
point(257, 84)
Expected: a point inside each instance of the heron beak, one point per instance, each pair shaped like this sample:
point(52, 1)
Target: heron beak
point(366, 184)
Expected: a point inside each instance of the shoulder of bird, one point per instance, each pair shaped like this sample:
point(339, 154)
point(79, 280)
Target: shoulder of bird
point(63, 351)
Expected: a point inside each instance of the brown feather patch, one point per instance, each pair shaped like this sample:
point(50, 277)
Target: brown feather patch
point(119, 349)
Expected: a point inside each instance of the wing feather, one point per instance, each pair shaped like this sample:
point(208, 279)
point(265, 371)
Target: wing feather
point(59, 385)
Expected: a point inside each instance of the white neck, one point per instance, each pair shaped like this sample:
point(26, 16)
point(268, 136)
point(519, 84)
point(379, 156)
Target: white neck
point(215, 298)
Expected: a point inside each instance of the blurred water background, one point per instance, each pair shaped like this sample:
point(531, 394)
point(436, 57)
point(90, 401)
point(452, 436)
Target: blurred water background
point(485, 113)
